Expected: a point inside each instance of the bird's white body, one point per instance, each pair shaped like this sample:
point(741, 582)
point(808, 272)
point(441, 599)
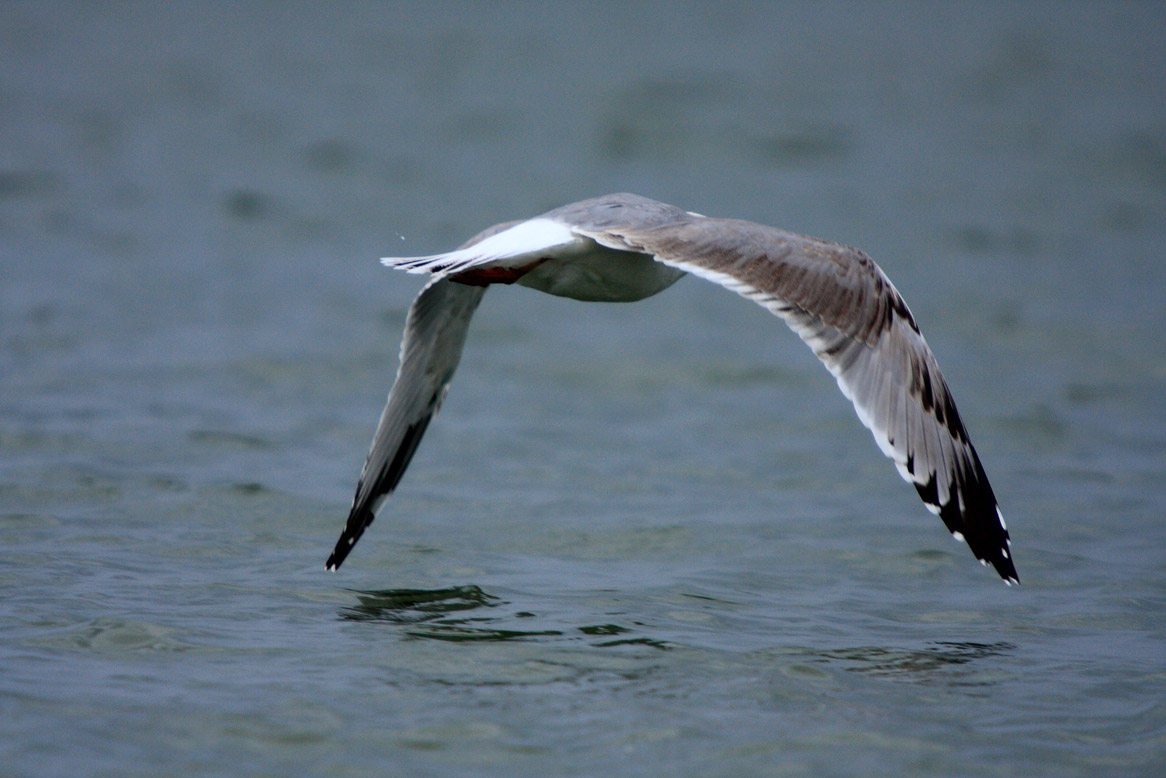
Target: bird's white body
point(582, 269)
point(598, 274)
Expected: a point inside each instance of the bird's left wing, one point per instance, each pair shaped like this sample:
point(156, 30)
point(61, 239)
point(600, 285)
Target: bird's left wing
point(842, 305)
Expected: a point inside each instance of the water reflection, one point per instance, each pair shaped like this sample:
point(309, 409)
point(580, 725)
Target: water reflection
point(428, 614)
point(917, 665)
point(458, 613)
point(469, 614)
point(412, 606)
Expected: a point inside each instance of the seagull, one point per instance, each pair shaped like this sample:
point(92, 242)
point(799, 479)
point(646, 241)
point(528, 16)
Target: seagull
point(622, 248)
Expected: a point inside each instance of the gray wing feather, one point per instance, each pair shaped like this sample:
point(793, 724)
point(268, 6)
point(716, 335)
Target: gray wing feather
point(435, 332)
point(843, 306)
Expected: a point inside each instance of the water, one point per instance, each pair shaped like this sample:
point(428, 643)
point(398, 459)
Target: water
point(639, 540)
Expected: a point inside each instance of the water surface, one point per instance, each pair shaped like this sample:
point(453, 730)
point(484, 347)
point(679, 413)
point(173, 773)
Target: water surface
point(639, 540)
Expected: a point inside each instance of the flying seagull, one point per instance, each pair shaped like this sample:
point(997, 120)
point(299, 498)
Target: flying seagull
point(623, 247)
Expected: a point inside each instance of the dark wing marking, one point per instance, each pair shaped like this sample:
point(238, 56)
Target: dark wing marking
point(435, 332)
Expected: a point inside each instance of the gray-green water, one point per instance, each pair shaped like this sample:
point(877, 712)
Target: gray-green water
point(639, 540)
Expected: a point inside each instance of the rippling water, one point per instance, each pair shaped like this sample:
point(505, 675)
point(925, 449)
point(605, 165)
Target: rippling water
point(646, 539)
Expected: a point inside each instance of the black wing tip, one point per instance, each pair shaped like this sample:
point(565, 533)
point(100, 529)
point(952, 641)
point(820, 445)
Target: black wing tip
point(358, 520)
point(990, 541)
point(339, 553)
point(972, 515)
point(1002, 562)
point(988, 553)
point(991, 545)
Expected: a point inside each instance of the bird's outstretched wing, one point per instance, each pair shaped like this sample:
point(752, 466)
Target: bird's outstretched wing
point(435, 331)
point(842, 305)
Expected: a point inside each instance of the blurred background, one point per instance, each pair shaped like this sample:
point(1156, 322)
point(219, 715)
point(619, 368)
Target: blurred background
point(639, 539)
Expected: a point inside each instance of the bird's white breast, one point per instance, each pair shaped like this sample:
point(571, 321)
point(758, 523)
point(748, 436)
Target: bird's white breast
point(593, 273)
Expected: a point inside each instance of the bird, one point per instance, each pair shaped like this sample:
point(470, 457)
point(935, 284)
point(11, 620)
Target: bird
point(623, 248)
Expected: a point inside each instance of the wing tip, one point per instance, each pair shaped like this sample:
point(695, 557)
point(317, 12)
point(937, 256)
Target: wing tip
point(1000, 561)
point(339, 554)
point(357, 522)
point(1004, 566)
